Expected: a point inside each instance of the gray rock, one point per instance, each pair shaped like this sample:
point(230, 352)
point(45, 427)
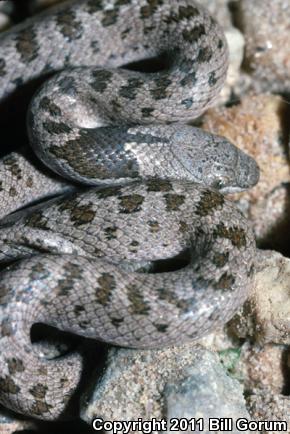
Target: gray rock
point(177, 382)
point(206, 393)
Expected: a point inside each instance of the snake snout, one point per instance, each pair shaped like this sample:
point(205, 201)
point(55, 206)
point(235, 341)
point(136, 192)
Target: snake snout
point(248, 170)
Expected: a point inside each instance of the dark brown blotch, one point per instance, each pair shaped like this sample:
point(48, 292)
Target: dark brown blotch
point(56, 127)
point(39, 408)
point(204, 55)
point(130, 90)
point(27, 45)
point(46, 104)
point(69, 26)
point(220, 259)
point(174, 201)
point(235, 234)
point(110, 17)
point(106, 286)
point(6, 329)
point(38, 391)
point(37, 220)
point(225, 282)
point(160, 89)
point(149, 9)
point(189, 80)
point(8, 385)
point(15, 365)
point(83, 214)
point(187, 12)
point(138, 306)
point(66, 284)
point(209, 202)
point(12, 165)
point(131, 203)
point(101, 79)
point(193, 35)
point(29, 182)
point(12, 192)
point(171, 298)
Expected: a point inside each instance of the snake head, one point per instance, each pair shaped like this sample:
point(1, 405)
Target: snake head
point(214, 161)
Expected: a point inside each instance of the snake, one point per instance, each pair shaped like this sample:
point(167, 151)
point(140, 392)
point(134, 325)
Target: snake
point(141, 187)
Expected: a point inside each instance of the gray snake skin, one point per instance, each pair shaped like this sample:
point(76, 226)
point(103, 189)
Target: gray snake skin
point(82, 256)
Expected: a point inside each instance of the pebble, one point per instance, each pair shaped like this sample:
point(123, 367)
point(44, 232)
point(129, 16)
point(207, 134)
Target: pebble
point(177, 382)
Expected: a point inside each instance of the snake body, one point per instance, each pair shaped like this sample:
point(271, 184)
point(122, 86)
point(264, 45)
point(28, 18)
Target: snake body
point(81, 257)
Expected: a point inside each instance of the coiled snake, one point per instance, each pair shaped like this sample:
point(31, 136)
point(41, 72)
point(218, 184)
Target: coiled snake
point(81, 255)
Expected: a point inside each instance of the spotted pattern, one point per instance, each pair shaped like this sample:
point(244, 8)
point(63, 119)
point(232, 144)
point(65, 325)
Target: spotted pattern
point(83, 261)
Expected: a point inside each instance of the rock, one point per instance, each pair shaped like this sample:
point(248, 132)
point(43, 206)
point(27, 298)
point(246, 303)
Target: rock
point(186, 381)
point(266, 367)
point(220, 11)
point(266, 316)
point(264, 405)
point(265, 25)
point(264, 372)
point(259, 126)
point(206, 392)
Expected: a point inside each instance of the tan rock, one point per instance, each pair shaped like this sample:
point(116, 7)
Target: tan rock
point(266, 367)
point(265, 24)
point(265, 376)
point(264, 405)
point(266, 316)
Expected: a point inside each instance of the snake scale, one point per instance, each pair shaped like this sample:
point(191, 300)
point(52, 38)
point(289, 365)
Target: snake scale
point(80, 258)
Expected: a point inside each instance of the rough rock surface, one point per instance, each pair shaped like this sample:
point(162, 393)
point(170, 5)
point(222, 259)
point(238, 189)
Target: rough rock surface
point(265, 24)
point(186, 381)
point(266, 316)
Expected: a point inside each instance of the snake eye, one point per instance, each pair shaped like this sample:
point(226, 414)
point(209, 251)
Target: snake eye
point(219, 184)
